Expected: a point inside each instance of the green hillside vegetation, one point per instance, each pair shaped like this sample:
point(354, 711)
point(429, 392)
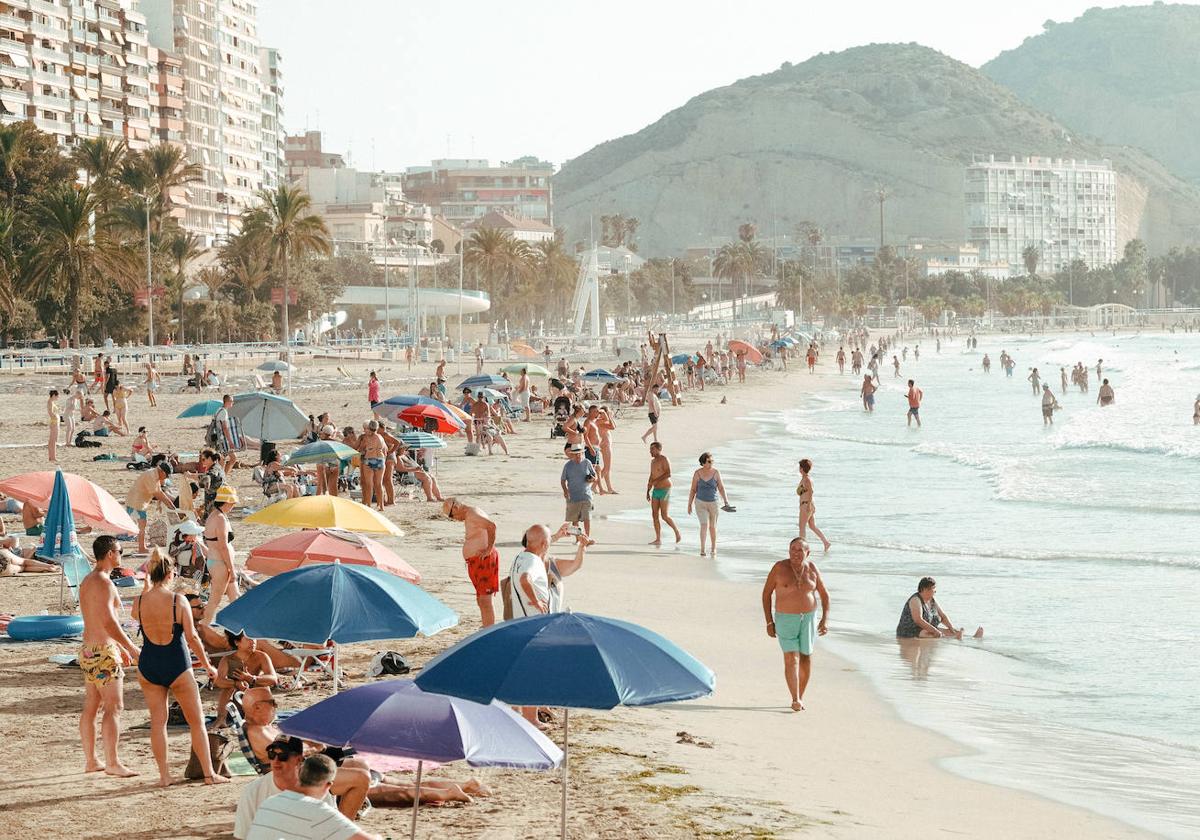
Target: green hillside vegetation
point(1129, 75)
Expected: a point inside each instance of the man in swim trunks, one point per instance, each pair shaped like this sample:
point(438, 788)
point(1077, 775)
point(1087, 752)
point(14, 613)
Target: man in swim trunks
point(105, 650)
point(658, 493)
point(479, 552)
point(146, 490)
point(1049, 404)
point(868, 392)
point(795, 584)
point(1106, 395)
point(914, 403)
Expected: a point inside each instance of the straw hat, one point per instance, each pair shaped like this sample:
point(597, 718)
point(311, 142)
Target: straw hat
point(225, 493)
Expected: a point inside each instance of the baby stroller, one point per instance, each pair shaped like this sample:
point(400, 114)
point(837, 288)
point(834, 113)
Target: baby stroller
point(562, 413)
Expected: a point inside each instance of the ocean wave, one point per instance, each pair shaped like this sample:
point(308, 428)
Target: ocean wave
point(1019, 554)
point(1174, 450)
point(806, 433)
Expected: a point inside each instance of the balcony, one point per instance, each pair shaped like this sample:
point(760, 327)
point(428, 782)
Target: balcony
point(52, 126)
point(8, 72)
point(8, 45)
point(53, 56)
point(14, 22)
point(54, 103)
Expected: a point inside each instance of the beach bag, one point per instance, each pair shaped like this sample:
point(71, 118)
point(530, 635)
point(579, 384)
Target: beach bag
point(389, 663)
point(213, 433)
point(220, 747)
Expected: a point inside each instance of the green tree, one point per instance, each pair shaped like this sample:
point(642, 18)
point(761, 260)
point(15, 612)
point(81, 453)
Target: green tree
point(1031, 256)
point(182, 248)
point(103, 159)
point(497, 261)
point(557, 271)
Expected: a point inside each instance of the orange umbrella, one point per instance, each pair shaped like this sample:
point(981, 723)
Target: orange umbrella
point(524, 350)
point(752, 354)
point(326, 545)
point(417, 416)
point(90, 502)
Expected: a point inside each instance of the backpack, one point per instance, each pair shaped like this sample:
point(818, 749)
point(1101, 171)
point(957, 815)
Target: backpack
point(213, 433)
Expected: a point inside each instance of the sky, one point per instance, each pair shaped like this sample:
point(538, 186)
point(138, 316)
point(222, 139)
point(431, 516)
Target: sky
point(397, 83)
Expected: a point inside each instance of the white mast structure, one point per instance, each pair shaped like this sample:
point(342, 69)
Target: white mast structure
point(587, 295)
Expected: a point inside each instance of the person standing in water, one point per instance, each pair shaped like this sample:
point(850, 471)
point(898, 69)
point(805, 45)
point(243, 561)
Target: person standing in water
point(914, 403)
point(1036, 379)
point(706, 485)
point(1049, 406)
point(795, 585)
point(841, 359)
point(1062, 372)
point(868, 393)
point(1105, 396)
point(808, 508)
point(987, 364)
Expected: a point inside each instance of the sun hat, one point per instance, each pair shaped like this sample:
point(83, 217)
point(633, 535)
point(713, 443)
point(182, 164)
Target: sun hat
point(190, 527)
point(225, 493)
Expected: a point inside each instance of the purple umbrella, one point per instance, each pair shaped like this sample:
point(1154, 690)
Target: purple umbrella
point(395, 717)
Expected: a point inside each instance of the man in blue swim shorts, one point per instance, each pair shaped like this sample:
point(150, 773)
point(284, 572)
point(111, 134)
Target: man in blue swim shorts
point(795, 585)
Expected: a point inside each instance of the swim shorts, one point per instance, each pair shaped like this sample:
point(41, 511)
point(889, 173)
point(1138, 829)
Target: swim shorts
point(653, 418)
point(796, 632)
point(140, 514)
point(100, 663)
point(484, 572)
point(579, 511)
point(375, 463)
point(1048, 411)
point(914, 410)
point(660, 493)
point(870, 399)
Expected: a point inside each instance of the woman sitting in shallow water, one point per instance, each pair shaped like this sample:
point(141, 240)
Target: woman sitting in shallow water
point(921, 615)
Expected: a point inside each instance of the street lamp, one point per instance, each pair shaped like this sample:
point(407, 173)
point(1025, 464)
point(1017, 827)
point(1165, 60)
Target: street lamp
point(387, 304)
point(628, 261)
point(149, 278)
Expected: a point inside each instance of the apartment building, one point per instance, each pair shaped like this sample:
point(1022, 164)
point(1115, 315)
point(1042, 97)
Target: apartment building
point(217, 42)
point(166, 97)
point(270, 64)
point(1067, 209)
point(464, 191)
point(76, 69)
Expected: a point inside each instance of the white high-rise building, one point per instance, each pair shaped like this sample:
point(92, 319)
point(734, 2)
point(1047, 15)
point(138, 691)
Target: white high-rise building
point(223, 114)
point(270, 64)
point(1066, 209)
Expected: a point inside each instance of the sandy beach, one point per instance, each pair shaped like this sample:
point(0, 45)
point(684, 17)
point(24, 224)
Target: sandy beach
point(746, 767)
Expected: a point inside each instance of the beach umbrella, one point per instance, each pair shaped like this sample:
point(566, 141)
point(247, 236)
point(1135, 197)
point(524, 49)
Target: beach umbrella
point(204, 408)
point(434, 418)
point(489, 394)
point(605, 377)
point(529, 367)
point(276, 365)
point(779, 344)
point(60, 544)
point(326, 545)
point(524, 350)
point(485, 380)
point(422, 440)
point(572, 660)
point(339, 603)
point(395, 717)
point(320, 451)
point(681, 358)
point(90, 502)
point(390, 408)
point(268, 416)
point(324, 512)
point(752, 353)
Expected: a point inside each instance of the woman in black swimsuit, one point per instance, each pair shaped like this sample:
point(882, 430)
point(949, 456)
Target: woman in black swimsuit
point(165, 666)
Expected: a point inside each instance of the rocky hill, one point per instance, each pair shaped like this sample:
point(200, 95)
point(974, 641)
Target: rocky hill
point(814, 141)
point(1128, 76)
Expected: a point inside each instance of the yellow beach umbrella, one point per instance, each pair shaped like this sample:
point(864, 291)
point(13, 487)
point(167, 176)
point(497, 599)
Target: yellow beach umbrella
point(325, 512)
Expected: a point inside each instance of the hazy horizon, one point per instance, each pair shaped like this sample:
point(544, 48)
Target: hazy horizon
point(476, 80)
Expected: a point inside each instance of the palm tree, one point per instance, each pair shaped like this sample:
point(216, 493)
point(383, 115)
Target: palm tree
point(1031, 256)
point(66, 254)
point(288, 230)
point(489, 254)
point(182, 248)
point(12, 146)
point(8, 294)
point(103, 159)
point(557, 269)
point(154, 173)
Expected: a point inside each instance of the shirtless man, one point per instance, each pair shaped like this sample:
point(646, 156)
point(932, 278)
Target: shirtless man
point(1049, 404)
point(987, 363)
point(479, 552)
point(795, 584)
point(1106, 395)
point(914, 396)
point(373, 449)
point(591, 441)
point(105, 650)
point(658, 493)
point(523, 392)
point(868, 393)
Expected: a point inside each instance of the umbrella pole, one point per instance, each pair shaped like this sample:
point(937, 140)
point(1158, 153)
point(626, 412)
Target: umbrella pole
point(566, 753)
point(416, 803)
point(62, 582)
point(337, 668)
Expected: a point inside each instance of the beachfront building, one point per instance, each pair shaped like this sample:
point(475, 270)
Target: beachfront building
point(217, 42)
point(270, 65)
point(523, 229)
point(166, 97)
point(1066, 209)
point(938, 260)
point(464, 191)
point(77, 69)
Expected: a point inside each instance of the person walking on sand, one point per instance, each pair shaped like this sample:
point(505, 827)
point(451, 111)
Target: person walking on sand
point(1049, 405)
point(706, 485)
point(53, 414)
point(605, 424)
point(153, 380)
point(102, 656)
point(1106, 395)
point(795, 585)
point(218, 540)
point(808, 508)
point(914, 403)
point(653, 410)
point(576, 483)
point(867, 392)
point(165, 668)
point(480, 554)
point(921, 615)
point(658, 493)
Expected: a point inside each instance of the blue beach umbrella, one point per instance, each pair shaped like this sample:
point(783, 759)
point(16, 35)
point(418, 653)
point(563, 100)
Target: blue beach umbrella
point(484, 380)
point(204, 408)
point(321, 451)
point(422, 440)
point(572, 660)
point(276, 365)
point(268, 416)
point(60, 544)
point(394, 717)
point(681, 358)
point(605, 377)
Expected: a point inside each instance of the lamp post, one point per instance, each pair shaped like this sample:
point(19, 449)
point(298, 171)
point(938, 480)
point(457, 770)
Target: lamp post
point(459, 351)
point(387, 303)
point(150, 280)
point(628, 261)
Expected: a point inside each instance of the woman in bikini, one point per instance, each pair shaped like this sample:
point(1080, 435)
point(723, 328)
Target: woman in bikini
point(52, 415)
point(164, 665)
point(372, 451)
point(217, 542)
point(808, 509)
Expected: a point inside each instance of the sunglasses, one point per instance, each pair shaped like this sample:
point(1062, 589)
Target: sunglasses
point(279, 752)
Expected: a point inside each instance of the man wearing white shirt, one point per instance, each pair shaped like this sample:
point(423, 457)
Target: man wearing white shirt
point(286, 755)
point(303, 814)
point(536, 579)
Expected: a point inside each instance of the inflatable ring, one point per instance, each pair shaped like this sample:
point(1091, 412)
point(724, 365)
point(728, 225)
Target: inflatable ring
point(30, 628)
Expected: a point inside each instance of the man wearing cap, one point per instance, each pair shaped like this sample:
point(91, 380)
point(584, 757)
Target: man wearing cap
point(479, 552)
point(576, 483)
point(146, 490)
point(286, 755)
point(218, 540)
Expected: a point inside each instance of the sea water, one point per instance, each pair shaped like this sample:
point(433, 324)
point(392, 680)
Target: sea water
point(1076, 546)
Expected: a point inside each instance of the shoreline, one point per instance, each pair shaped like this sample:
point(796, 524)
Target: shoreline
point(631, 772)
